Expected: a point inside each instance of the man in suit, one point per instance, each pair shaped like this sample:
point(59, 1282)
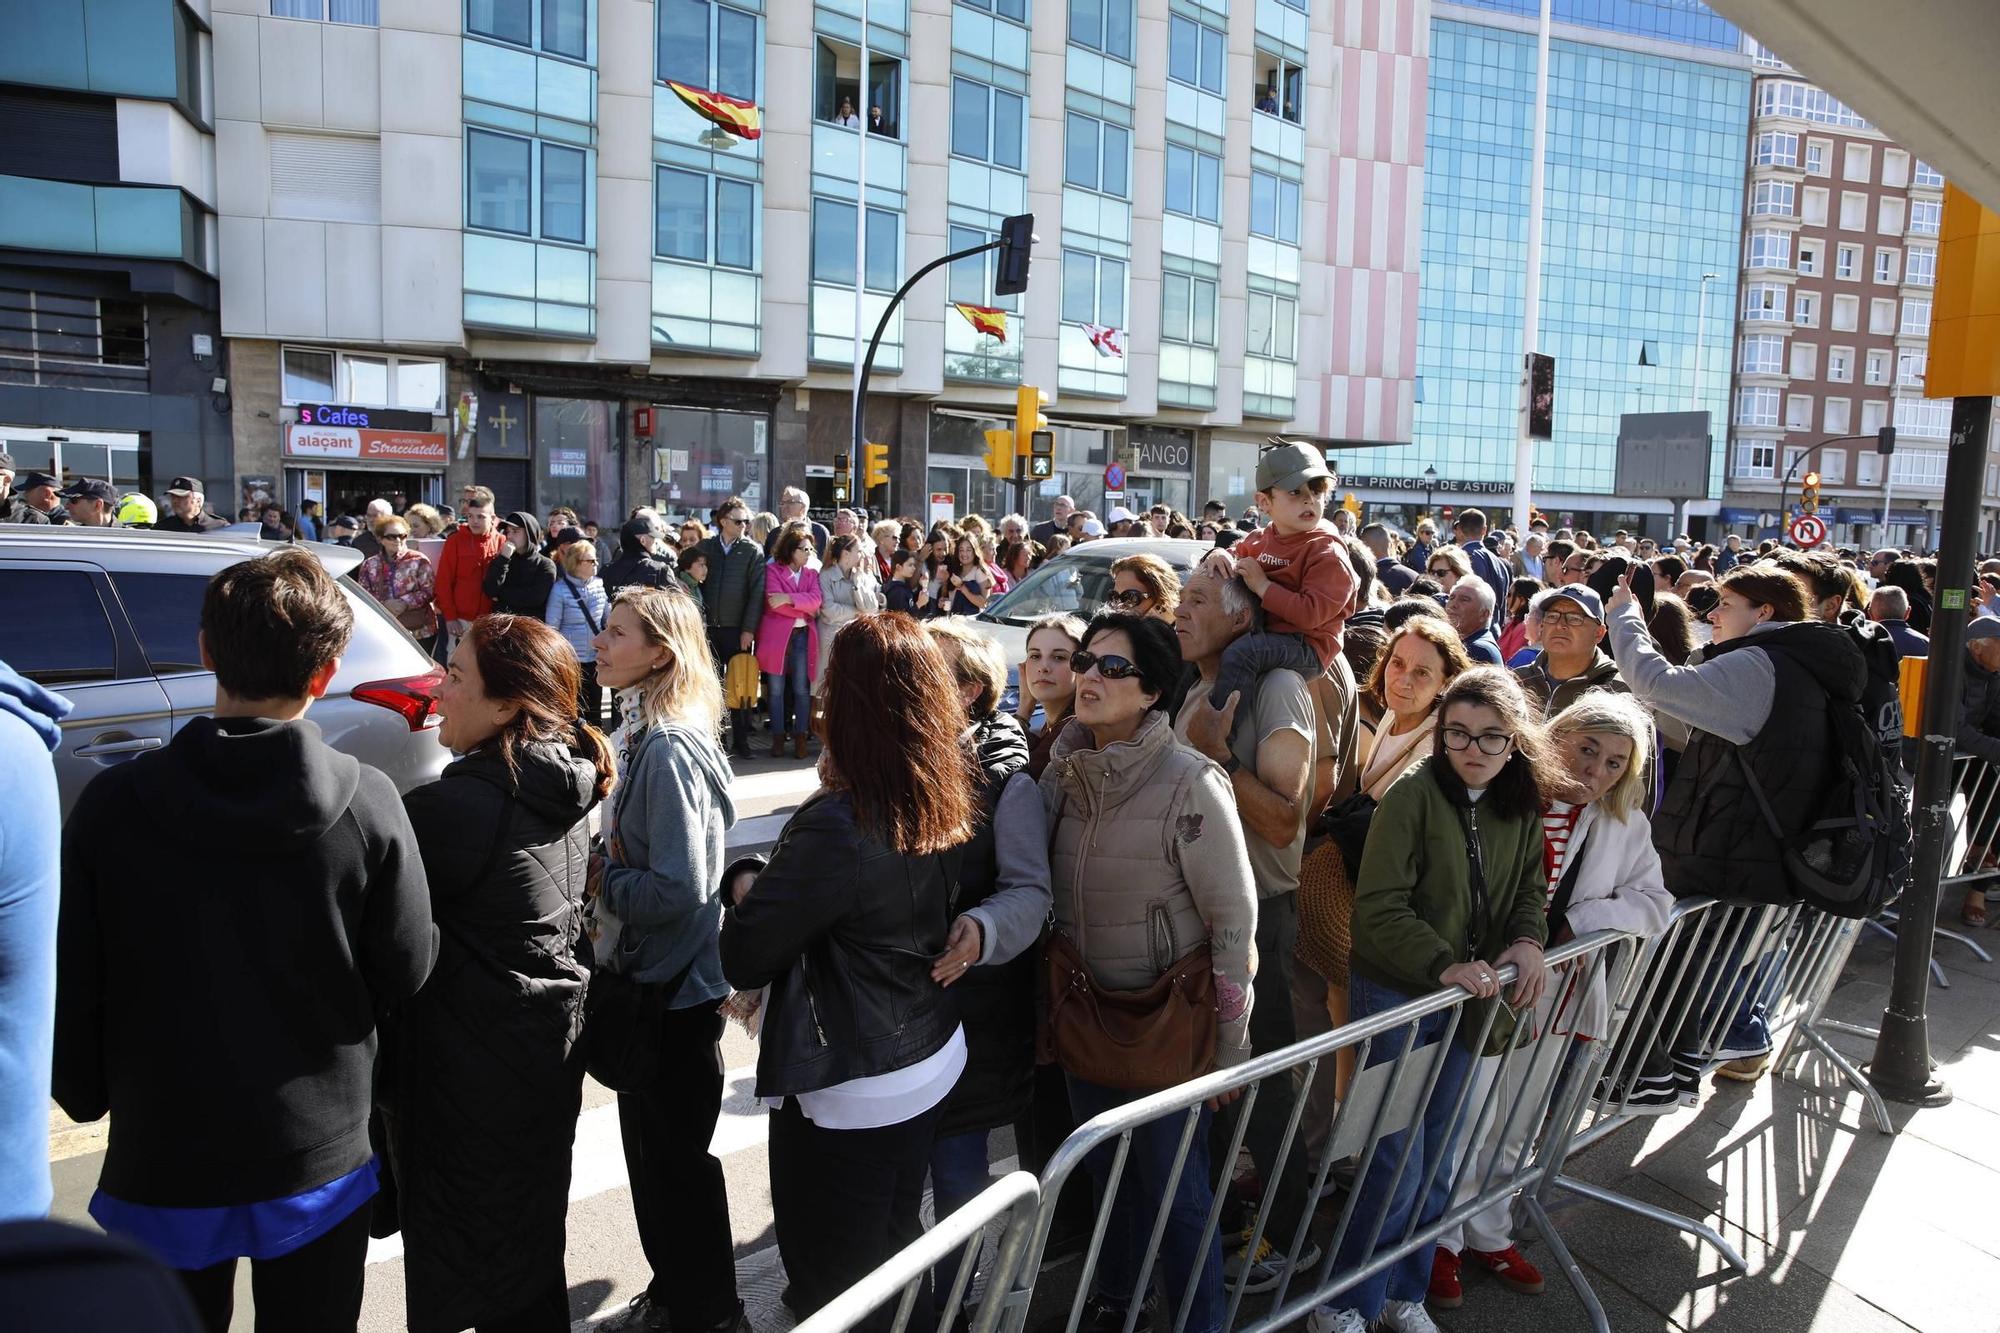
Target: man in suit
point(1470, 528)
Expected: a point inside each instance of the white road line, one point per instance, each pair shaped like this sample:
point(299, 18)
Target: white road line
point(761, 831)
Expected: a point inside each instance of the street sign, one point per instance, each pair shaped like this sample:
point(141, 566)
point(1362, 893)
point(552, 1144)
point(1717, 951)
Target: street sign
point(1114, 478)
point(944, 506)
point(1808, 530)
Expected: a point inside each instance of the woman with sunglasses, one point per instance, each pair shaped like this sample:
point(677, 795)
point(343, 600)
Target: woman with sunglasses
point(1144, 585)
point(1048, 683)
point(1451, 889)
point(401, 578)
point(1147, 849)
point(576, 609)
point(1448, 564)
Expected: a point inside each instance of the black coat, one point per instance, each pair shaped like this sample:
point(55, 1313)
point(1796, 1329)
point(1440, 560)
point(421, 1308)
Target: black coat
point(843, 930)
point(637, 567)
point(519, 583)
point(481, 1081)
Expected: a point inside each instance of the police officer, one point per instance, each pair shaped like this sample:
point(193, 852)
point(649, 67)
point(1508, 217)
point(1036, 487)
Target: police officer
point(90, 502)
point(13, 509)
point(39, 491)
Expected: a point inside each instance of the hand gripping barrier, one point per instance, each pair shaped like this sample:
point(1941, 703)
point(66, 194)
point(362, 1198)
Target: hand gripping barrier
point(1011, 1200)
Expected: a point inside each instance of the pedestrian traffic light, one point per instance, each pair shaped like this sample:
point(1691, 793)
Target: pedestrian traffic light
point(874, 466)
point(1028, 418)
point(1000, 453)
point(843, 464)
point(1041, 455)
point(1885, 441)
point(1017, 244)
point(1809, 493)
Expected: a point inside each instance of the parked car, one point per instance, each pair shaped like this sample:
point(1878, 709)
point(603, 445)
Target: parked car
point(109, 618)
point(1077, 582)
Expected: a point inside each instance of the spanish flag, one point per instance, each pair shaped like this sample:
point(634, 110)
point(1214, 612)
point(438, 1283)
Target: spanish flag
point(738, 117)
point(986, 319)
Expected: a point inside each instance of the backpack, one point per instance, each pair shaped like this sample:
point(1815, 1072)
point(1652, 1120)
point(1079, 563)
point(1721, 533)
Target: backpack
point(1854, 858)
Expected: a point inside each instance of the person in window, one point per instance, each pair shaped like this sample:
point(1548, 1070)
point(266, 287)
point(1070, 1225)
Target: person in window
point(845, 117)
point(1267, 101)
point(878, 124)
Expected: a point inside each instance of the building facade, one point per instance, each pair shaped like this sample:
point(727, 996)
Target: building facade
point(1839, 262)
point(1647, 123)
point(111, 356)
point(500, 241)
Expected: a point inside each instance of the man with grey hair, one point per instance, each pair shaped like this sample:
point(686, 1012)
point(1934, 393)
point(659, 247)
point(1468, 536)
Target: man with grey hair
point(1530, 559)
point(1269, 761)
point(1013, 528)
point(1889, 607)
point(1470, 610)
point(792, 503)
point(1058, 522)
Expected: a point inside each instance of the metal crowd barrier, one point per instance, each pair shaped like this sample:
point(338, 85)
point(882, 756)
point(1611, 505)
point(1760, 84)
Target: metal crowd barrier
point(1012, 1201)
point(1975, 813)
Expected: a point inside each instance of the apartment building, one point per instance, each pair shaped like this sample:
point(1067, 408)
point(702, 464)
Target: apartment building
point(111, 355)
point(499, 241)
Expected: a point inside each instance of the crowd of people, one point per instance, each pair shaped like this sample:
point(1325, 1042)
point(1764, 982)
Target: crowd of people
point(1323, 773)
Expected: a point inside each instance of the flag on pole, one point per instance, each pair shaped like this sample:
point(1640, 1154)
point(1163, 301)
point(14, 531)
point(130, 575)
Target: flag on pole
point(1105, 340)
point(733, 114)
point(985, 318)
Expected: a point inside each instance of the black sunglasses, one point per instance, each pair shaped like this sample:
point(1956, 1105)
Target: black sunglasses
point(1128, 597)
point(1110, 666)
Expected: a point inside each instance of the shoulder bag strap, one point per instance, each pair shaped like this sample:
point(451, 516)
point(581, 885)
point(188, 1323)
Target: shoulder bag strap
point(581, 605)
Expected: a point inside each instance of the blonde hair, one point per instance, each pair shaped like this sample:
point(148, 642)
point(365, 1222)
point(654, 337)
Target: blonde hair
point(1156, 576)
point(1461, 564)
point(1601, 713)
point(685, 689)
point(762, 524)
point(431, 519)
point(973, 658)
point(387, 521)
point(573, 554)
point(889, 528)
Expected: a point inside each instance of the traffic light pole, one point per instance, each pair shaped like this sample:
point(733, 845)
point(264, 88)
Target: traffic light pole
point(1902, 1069)
point(882, 327)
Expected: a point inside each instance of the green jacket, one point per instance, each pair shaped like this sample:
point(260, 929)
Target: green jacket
point(1413, 898)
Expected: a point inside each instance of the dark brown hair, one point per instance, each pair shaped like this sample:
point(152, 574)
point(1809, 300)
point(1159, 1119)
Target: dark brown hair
point(269, 624)
point(789, 538)
point(525, 663)
point(1672, 627)
point(891, 732)
point(1521, 787)
point(1768, 585)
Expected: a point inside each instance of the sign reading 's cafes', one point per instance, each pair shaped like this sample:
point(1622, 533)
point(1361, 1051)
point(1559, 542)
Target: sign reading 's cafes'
point(362, 444)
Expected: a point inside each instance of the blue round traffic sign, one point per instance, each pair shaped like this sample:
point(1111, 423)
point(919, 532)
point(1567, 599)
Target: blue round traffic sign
point(1114, 478)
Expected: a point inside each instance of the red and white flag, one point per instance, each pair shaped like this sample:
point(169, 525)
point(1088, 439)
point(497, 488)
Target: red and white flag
point(1104, 340)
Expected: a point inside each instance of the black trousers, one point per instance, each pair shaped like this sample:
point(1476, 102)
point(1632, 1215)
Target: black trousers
point(678, 1196)
point(547, 1313)
point(724, 642)
point(845, 1201)
point(314, 1289)
point(1272, 1029)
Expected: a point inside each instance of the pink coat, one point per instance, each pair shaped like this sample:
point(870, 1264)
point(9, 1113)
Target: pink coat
point(776, 629)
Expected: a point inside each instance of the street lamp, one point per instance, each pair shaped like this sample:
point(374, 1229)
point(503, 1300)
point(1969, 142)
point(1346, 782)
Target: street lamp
point(1700, 329)
point(1430, 483)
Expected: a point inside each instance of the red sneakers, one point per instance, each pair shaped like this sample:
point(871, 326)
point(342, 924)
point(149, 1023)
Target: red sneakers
point(1446, 1293)
point(1508, 1265)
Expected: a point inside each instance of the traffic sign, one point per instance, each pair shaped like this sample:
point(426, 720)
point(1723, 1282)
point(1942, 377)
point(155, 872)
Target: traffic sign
point(1114, 478)
point(1808, 530)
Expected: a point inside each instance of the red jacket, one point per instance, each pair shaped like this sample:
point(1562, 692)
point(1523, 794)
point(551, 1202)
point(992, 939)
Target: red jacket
point(460, 570)
point(1312, 583)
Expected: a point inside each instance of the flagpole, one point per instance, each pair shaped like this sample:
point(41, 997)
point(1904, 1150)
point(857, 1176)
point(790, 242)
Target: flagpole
point(865, 129)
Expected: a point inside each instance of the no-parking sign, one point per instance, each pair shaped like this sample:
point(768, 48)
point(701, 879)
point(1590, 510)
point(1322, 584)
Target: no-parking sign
point(1808, 530)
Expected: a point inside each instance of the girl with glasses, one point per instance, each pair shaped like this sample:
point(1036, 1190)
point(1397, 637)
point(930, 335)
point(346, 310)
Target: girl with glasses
point(1148, 854)
point(402, 579)
point(1451, 889)
point(576, 609)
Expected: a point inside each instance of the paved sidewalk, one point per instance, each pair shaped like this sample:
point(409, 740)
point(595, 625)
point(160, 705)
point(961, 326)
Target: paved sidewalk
point(1844, 1228)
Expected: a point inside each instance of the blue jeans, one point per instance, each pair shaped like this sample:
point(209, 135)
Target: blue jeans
point(1430, 1140)
point(1246, 661)
point(788, 691)
point(1140, 1188)
point(958, 1173)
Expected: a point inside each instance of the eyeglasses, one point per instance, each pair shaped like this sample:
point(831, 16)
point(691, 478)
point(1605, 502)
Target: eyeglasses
point(393, 537)
point(1567, 619)
point(1440, 569)
point(1129, 597)
point(1489, 742)
point(1110, 666)
point(1573, 567)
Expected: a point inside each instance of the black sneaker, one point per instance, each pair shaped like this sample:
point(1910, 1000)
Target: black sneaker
point(1101, 1316)
point(641, 1315)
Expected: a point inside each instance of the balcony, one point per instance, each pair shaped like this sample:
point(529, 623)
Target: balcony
point(126, 221)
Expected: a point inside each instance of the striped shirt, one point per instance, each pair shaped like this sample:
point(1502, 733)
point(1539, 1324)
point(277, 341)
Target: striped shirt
point(1558, 823)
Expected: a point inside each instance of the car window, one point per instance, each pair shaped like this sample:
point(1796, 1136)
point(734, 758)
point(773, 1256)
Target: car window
point(165, 612)
point(1061, 587)
point(55, 629)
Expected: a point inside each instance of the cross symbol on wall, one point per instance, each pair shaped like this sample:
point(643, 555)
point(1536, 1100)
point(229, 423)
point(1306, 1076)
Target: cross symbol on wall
point(504, 422)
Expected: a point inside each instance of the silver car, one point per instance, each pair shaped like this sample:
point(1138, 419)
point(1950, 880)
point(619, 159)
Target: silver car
point(108, 617)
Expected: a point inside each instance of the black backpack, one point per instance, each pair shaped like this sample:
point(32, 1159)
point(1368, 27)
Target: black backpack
point(1854, 858)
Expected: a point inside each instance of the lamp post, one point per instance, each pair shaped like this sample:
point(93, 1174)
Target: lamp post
point(1430, 483)
point(1700, 331)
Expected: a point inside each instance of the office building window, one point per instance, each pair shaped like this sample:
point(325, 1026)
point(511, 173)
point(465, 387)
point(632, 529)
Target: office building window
point(562, 25)
point(1194, 183)
point(971, 280)
point(1798, 411)
point(1805, 309)
point(1927, 177)
point(1925, 215)
point(1196, 54)
point(1016, 10)
point(1805, 360)
point(1280, 87)
point(1274, 207)
point(1770, 249)
point(1772, 198)
point(1756, 458)
point(1809, 257)
point(1921, 268)
point(706, 45)
point(1911, 363)
point(1271, 326)
point(1102, 25)
point(1763, 300)
point(1847, 263)
point(1853, 210)
point(1776, 148)
point(833, 245)
point(1093, 289)
point(562, 194)
point(986, 123)
point(76, 342)
point(363, 13)
point(1757, 405)
point(693, 211)
point(1840, 365)
point(1857, 162)
point(499, 182)
point(1846, 313)
point(1819, 157)
point(1876, 368)
point(1187, 309)
point(1097, 155)
point(1916, 318)
point(1763, 354)
point(1837, 415)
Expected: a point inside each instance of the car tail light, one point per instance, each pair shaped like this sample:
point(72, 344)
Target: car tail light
point(414, 697)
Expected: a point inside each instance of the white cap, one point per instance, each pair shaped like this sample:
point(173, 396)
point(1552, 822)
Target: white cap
point(1120, 514)
point(1092, 528)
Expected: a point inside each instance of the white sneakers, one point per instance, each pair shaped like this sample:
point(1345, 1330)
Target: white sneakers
point(1407, 1317)
point(1325, 1319)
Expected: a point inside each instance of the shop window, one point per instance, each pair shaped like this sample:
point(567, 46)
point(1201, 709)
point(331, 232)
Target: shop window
point(833, 245)
point(1281, 88)
point(578, 463)
point(837, 98)
point(704, 457)
point(709, 46)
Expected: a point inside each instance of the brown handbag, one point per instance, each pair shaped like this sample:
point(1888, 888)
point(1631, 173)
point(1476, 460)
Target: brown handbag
point(1133, 1040)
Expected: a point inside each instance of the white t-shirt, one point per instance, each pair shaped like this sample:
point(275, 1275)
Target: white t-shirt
point(887, 1099)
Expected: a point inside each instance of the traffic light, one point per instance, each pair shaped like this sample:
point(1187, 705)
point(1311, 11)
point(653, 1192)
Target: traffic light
point(843, 475)
point(1017, 243)
point(1000, 453)
point(1028, 418)
point(1041, 455)
point(1885, 441)
point(874, 466)
point(1809, 493)
point(1541, 396)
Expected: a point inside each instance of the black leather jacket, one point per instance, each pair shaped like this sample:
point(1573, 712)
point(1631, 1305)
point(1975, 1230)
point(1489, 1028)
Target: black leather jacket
point(844, 931)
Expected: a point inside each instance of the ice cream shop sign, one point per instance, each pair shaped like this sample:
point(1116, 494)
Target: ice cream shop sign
point(361, 444)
